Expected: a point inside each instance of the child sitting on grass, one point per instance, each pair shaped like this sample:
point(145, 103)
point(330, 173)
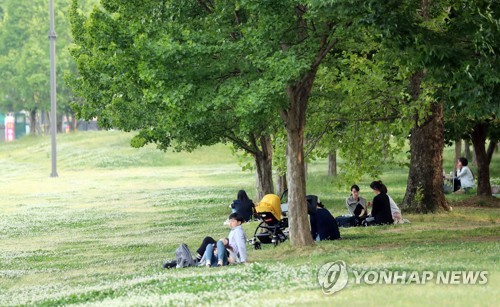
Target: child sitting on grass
point(230, 250)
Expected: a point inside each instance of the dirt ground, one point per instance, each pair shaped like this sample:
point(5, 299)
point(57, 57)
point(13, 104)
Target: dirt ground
point(477, 201)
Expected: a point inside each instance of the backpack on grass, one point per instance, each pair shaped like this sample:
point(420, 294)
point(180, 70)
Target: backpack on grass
point(183, 258)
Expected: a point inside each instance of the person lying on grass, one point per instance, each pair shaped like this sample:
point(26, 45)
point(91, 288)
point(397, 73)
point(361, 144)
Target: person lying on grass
point(230, 250)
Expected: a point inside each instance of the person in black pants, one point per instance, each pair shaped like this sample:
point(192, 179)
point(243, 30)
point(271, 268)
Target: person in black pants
point(381, 210)
point(201, 250)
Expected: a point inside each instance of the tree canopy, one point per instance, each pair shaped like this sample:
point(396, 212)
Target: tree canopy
point(193, 73)
point(167, 67)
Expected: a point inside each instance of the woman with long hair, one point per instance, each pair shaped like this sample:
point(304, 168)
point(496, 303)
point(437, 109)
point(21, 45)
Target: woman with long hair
point(381, 206)
point(243, 205)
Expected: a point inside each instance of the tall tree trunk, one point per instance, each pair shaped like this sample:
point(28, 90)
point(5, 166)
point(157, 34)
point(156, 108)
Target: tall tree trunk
point(46, 123)
point(264, 165)
point(295, 120)
point(424, 191)
point(458, 153)
point(332, 163)
point(478, 137)
point(74, 123)
point(59, 124)
point(467, 152)
point(33, 121)
point(281, 184)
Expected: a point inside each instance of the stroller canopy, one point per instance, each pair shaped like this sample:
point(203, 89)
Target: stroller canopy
point(270, 203)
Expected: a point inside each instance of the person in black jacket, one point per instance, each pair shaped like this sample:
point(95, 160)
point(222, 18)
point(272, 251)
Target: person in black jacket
point(243, 206)
point(381, 210)
point(323, 224)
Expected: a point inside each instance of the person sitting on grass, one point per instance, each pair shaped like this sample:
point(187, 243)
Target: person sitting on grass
point(356, 205)
point(243, 205)
point(323, 224)
point(396, 212)
point(381, 206)
point(203, 247)
point(230, 250)
point(464, 179)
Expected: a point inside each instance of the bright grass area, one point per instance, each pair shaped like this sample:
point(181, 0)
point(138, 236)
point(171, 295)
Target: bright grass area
point(99, 233)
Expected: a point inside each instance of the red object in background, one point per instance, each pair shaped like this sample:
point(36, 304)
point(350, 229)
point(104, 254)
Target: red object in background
point(10, 129)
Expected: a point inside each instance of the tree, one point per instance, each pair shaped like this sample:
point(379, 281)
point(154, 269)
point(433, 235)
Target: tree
point(473, 106)
point(356, 110)
point(421, 31)
point(133, 77)
point(165, 67)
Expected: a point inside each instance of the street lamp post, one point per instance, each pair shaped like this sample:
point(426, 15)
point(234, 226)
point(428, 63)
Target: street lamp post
point(53, 119)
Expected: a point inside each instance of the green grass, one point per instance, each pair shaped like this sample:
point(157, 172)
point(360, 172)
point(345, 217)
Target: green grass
point(100, 232)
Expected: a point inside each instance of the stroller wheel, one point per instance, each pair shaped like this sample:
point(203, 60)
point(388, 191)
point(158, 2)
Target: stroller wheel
point(257, 245)
point(275, 241)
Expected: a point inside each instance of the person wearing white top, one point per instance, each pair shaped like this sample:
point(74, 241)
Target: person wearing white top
point(231, 249)
point(464, 174)
point(396, 212)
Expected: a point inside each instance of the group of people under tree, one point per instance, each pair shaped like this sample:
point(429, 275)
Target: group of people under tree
point(323, 225)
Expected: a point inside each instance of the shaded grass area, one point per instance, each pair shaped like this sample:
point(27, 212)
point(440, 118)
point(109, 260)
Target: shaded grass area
point(98, 235)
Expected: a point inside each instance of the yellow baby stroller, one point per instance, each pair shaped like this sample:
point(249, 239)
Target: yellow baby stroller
point(273, 226)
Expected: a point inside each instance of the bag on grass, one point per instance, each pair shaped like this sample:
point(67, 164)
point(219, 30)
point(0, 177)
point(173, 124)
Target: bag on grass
point(183, 257)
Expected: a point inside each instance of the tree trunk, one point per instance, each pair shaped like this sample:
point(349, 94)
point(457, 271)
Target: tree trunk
point(332, 163)
point(491, 150)
point(281, 184)
point(59, 123)
point(33, 121)
point(467, 152)
point(424, 191)
point(478, 137)
point(458, 153)
point(46, 123)
point(264, 165)
point(295, 120)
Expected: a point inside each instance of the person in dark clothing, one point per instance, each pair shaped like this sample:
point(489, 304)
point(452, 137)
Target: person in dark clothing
point(243, 206)
point(323, 224)
point(381, 206)
point(201, 250)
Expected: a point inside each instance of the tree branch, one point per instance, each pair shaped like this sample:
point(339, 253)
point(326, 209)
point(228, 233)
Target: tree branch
point(241, 143)
point(323, 51)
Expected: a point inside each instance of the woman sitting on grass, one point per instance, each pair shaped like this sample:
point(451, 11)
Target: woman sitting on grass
point(243, 205)
point(395, 211)
point(356, 205)
point(464, 179)
point(381, 210)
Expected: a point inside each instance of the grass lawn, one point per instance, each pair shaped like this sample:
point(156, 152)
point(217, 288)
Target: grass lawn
point(100, 232)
